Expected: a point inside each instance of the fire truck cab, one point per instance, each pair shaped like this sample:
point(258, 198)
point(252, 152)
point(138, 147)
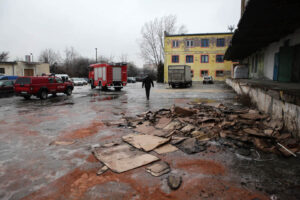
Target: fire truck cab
point(108, 75)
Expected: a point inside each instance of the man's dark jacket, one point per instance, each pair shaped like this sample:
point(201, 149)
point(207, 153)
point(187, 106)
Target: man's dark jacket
point(147, 82)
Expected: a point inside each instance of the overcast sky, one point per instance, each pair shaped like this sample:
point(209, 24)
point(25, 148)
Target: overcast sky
point(113, 26)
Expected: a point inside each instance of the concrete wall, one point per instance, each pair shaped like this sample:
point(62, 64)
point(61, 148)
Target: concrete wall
point(8, 68)
point(212, 66)
point(42, 68)
point(270, 102)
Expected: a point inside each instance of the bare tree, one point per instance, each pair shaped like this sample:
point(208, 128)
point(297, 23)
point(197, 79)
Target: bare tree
point(50, 56)
point(4, 56)
point(132, 70)
point(231, 28)
point(104, 59)
point(123, 58)
point(70, 55)
point(69, 61)
point(152, 42)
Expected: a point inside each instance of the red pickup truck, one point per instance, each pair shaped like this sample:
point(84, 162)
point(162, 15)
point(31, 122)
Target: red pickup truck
point(41, 86)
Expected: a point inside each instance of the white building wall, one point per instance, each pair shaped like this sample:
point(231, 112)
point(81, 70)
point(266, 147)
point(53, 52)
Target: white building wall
point(273, 48)
point(8, 68)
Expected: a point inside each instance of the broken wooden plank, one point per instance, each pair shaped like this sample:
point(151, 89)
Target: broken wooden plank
point(167, 148)
point(102, 170)
point(158, 168)
point(163, 122)
point(286, 149)
point(122, 158)
point(145, 142)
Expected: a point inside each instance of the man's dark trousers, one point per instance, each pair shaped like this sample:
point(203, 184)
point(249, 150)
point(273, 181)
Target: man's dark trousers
point(147, 92)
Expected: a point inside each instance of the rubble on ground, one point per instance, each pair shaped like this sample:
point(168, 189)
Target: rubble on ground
point(240, 127)
point(191, 130)
point(62, 142)
point(123, 157)
point(167, 148)
point(158, 168)
point(145, 142)
point(102, 170)
point(174, 181)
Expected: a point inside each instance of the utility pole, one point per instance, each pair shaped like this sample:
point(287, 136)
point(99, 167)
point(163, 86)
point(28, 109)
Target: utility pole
point(96, 55)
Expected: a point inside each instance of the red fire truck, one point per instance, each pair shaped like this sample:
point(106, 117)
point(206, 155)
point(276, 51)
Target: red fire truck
point(108, 75)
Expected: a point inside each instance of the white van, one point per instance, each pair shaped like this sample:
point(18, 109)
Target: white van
point(63, 76)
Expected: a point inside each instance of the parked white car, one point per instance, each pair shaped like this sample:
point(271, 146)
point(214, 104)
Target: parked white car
point(85, 82)
point(63, 76)
point(77, 81)
point(208, 79)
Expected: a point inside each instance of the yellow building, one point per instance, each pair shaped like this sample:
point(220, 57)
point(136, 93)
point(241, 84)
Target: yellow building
point(203, 52)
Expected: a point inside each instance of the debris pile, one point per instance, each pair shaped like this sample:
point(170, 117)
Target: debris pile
point(190, 130)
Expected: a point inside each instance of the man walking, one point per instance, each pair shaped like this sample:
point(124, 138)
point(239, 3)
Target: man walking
point(147, 82)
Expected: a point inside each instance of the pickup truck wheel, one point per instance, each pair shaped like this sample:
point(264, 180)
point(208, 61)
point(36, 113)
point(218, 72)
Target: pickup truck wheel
point(27, 97)
point(44, 94)
point(69, 91)
point(105, 88)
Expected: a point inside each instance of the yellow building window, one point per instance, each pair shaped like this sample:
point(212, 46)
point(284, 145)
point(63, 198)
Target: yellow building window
point(189, 59)
point(219, 73)
point(189, 43)
point(220, 58)
point(204, 59)
point(175, 59)
point(203, 73)
point(220, 42)
point(204, 43)
point(175, 43)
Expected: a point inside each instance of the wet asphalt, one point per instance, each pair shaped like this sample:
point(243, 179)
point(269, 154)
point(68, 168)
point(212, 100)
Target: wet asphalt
point(32, 168)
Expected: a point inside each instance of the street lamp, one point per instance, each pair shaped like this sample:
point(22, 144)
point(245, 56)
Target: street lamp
point(96, 55)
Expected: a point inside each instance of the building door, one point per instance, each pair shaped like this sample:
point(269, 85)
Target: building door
point(296, 65)
point(286, 57)
point(28, 72)
point(276, 67)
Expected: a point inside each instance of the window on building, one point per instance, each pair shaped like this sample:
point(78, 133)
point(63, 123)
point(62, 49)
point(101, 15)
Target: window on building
point(204, 73)
point(175, 44)
point(189, 59)
point(189, 43)
point(219, 73)
point(2, 70)
point(220, 42)
point(219, 58)
point(204, 43)
point(175, 59)
point(204, 59)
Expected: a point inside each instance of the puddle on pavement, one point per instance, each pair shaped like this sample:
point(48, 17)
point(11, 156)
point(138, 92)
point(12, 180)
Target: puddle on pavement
point(204, 100)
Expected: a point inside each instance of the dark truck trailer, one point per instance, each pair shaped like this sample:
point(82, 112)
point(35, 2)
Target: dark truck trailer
point(179, 76)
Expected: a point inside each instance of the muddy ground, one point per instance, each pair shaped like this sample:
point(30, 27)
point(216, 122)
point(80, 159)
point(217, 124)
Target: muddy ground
point(32, 166)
